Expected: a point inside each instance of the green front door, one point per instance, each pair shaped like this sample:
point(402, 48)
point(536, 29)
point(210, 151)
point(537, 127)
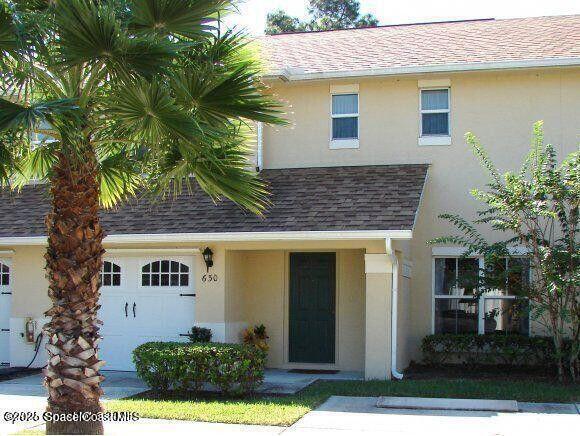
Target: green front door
point(312, 307)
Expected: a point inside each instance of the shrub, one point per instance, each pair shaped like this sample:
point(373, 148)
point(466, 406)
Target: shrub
point(232, 368)
point(257, 337)
point(200, 334)
point(513, 350)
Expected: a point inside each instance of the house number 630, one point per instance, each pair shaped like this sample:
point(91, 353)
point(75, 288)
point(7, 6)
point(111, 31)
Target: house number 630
point(209, 278)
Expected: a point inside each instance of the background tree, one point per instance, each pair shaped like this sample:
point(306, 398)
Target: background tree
point(104, 99)
point(324, 15)
point(538, 208)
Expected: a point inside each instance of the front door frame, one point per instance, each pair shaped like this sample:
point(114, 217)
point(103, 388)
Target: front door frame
point(337, 271)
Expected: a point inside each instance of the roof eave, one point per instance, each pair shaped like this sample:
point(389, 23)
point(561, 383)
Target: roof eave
point(228, 237)
point(287, 75)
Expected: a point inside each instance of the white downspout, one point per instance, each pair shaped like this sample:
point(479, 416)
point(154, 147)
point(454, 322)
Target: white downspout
point(259, 146)
point(394, 308)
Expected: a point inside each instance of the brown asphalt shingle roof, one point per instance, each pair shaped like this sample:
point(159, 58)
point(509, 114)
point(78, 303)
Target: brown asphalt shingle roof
point(421, 45)
point(304, 199)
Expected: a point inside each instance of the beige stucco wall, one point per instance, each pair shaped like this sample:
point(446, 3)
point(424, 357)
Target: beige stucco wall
point(264, 287)
point(251, 288)
point(499, 107)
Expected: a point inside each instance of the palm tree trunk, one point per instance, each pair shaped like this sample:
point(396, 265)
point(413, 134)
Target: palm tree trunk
point(73, 265)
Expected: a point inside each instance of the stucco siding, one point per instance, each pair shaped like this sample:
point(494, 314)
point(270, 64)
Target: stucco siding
point(499, 107)
point(266, 302)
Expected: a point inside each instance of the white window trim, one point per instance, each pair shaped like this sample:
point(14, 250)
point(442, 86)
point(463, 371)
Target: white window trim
point(482, 299)
point(435, 139)
point(337, 144)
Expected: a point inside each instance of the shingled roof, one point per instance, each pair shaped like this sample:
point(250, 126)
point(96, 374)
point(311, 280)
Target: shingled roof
point(304, 199)
point(413, 46)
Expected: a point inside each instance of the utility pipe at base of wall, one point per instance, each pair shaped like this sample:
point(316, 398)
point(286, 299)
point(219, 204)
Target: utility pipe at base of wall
point(394, 308)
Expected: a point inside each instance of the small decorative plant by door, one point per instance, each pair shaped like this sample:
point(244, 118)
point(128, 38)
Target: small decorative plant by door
point(257, 337)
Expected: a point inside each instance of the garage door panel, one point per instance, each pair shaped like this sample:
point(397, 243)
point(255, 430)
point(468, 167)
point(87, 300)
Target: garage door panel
point(4, 347)
point(117, 353)
point(150, 313)
point(184, 313)
point(5, 308)
point(154, 313)
point(112, 313)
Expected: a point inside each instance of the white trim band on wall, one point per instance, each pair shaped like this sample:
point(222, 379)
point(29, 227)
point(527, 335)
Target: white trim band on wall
point(459, 251)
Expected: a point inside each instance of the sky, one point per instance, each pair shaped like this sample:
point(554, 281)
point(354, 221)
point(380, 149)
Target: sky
point(253, 12)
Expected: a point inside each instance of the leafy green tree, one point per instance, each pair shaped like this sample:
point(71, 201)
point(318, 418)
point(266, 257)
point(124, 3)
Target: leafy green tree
point(280, 22)
point(324, 15)
point(537, 209)
point(102, 99)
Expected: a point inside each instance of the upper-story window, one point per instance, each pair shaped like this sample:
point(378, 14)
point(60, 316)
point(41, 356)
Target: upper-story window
point(435, 117)
point(345, 124)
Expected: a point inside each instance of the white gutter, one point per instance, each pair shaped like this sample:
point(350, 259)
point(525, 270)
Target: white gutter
point(288, 75)
point(230, 237)
point(394, 309)
point(130, 251)
point(259, 146)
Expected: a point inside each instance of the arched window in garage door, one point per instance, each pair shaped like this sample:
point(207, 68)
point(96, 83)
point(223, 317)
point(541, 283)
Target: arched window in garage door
point(4, 274)
point(165, 273)
point(110, 274)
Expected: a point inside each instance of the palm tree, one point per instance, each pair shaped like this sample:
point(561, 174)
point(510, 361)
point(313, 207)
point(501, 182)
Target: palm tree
point(104, 99)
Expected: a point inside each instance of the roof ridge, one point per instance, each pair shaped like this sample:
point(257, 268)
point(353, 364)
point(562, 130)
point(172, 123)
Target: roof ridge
point(420, 23)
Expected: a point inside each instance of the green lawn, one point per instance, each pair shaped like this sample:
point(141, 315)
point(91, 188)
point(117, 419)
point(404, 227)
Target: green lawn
point(286, 410)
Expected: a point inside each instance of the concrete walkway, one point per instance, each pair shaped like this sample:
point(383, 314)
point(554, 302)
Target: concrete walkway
point(345, 415)
point(359, 415)
point(27, 394)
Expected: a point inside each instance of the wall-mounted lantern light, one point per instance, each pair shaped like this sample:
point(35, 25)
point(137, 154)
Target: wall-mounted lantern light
point(208, 258)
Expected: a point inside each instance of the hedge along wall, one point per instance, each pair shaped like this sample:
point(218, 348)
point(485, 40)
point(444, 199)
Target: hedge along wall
point(514, 350)
point(232, 368)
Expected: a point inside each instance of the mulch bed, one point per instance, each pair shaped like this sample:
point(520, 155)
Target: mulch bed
point(418, 371)
point(10, 373)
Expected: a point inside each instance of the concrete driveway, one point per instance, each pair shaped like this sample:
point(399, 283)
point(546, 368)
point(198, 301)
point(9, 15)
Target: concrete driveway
point(26, 394)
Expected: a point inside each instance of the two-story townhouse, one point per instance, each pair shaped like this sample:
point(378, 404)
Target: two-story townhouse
point(338, 270)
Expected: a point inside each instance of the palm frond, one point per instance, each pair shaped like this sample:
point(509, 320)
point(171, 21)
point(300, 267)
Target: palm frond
point(119, 178)
point(151, 87)
point(14, 115)
point(8, 35)
point(7, 163)
point(217, 97)
point(184, 18)
point(147, 111)
point(91, 32)
point(37, 164)
point(221, 171)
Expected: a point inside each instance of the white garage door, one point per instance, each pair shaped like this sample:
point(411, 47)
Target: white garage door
point(142, 300)
point(5, 304)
